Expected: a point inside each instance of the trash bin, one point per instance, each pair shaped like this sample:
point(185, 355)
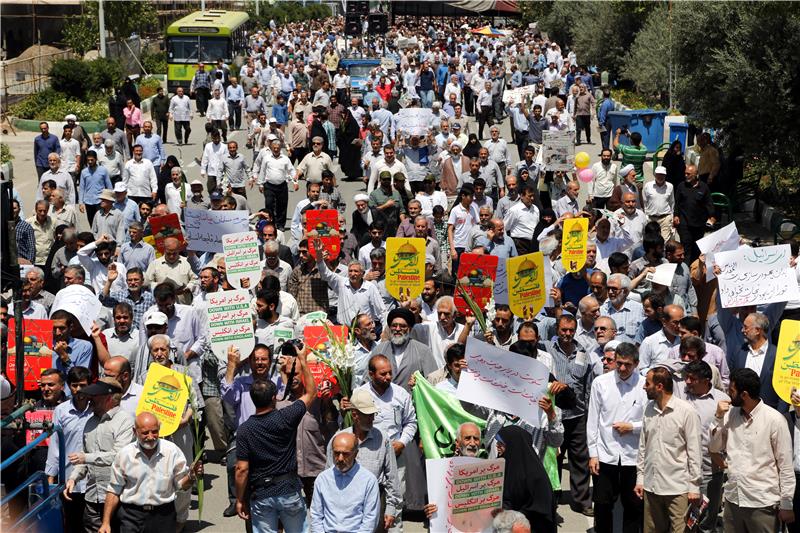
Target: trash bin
point(679, 131)
point(648, 122)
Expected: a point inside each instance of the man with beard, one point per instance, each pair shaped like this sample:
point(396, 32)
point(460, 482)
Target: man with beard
point(209, 284)
point(613, 424)
point(108, 431)
point(68, 352)
point(634, 218)
point(626, 313)
point(511, 197)
point(604, 181)
point(269, 320)
point(655, 348)
point(364, 333)
point(363, 217)
point(405, 354)
point(478, 232)
point(668, 469)
point(375, 452)
point(501, 333)
point(145, 503)
point(119, 368)
point(430, 293)
point(123, 339)
point(99, 266)
point(438, 335)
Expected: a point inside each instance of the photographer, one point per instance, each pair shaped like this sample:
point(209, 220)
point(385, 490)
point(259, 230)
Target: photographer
point(632, 154)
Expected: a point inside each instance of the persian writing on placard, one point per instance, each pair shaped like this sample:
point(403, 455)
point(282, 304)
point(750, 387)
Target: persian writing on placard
point(204, 229)
point(754, 276)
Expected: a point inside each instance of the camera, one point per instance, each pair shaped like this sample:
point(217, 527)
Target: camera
point(624, 130)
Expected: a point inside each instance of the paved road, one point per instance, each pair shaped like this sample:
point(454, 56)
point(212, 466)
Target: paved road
point(216, 497)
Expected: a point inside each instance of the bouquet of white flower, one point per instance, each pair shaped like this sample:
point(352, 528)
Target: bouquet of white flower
point(340, 357)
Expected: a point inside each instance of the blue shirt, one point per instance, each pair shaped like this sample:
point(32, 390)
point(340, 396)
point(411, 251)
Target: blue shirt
point(129, 210)
point(627, 319)
point(442, 75)
point(80, 354)
point(152, 149)
point(139, 255)
point(44, 147)
point(605, 108)
point(280, 113)
point(72, 421)
point(92, 184)
point(345, 501)
point(234, 94)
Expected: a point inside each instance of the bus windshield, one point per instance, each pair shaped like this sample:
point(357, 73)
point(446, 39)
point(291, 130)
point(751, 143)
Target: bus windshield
point(360, 71)
point(195, 49)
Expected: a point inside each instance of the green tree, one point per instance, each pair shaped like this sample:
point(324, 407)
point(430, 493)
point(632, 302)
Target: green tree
point(124, 18)
point(647, 62)
point(80, 34)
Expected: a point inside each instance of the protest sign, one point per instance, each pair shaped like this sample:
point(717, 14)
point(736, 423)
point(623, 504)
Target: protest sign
point(527, 289)
point(80, 302)
point(439, 414)
point(573, 243)
point(204, 229)
point(316, 337)
point(663, 274)
point(753, 276)
point(164, 394)
point(163, 227)
point(37, 337)
point(38, 417)
point(405, 267)
point(388, 63)
point(786, 372)
point(465, 491)
point(413, 121)
point(324, 378)
point(230, 323)
point(476, 274)
point(325, 225)
point(501, 380)
point(558, 150)
point(242, 259)
point(723, 240)
point(520, 94)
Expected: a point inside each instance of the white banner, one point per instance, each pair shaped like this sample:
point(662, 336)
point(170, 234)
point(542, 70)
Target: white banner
point(242, 260)
point(81, 302)
point(520, 94)
point(204, 228)
point(413, 121)
point(754, 276)
point(558, 150)
point(501, 380)
point(723, 240)
point(230, 322)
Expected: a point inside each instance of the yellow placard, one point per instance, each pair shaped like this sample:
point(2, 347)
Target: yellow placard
point(786, 373)
point(573, 243)
point(164, 394)
point(527, 290)
point(149, 239)
point(405, 267)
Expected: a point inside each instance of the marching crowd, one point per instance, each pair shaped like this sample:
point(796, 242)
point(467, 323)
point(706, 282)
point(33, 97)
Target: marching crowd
point(659, 397)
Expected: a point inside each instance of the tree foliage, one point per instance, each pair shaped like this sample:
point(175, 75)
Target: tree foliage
point(80, 34)
point(283, 12)
point(646, 63)
point(124, 18)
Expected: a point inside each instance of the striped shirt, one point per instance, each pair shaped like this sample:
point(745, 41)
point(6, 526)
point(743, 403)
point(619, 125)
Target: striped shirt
point(633, 155)
point(627, 319)
point(139, 480)
point(573, 369)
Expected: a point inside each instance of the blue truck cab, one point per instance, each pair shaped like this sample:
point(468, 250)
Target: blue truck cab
point(358, 70)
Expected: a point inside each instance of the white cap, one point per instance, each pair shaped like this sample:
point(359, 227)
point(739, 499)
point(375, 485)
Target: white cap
point(271, 137)
point(196, 182)
point(660, 169)
point(272, 120)
point(156, 318)
point(120, 187)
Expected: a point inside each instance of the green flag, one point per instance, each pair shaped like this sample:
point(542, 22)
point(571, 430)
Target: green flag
point(439, 414)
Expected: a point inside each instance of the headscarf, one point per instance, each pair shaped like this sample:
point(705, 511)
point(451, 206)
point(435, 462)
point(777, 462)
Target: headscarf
point(526, 487)
point(473, 146)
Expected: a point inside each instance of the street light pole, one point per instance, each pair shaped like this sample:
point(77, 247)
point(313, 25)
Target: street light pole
point(102, 25)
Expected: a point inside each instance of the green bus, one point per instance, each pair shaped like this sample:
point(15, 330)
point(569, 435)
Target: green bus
point(203, 36)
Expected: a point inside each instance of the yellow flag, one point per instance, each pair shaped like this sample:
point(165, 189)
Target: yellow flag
point(786, 373)
point(164, 394)
point(405, 267)
point(573, 243)
point(527, 291)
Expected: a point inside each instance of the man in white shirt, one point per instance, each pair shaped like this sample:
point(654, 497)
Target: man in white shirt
point(441, 330)
point(273, 171)
point(655, 348)
point(180, 109)
point(498, 149)
point(613, 425)
point(140, 177)
point(211, 162)
point(633, 219)
point(522, 219)
point(217, 114)
point(98, 267)
point(62, 178)
point(659, 202)
point(604, 181)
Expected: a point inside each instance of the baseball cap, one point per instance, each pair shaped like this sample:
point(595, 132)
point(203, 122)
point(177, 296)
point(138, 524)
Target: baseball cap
point(660, 169)
point(272, 120)
point(216, 195)
point(196, 182)
point(156, 318)
point(456, 126)
point(102, 386)
point(429, 177)
point(362, 401)
point(120, 187)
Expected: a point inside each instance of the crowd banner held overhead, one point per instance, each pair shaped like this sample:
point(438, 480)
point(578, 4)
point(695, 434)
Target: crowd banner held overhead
point(723, 240)
point(163, 227)
point(37, 338)
point(754, 276)
point(476, 274)
point(325, 225)
point(558, 150)
point(405, 267)
point(230, 322)
point(165, 394)
point(504, 381)
point(80, 302)
point(242, 259)
point(439, 414)
point(573, 243)
point(414, 121)
point(204, 229)
point(465, 490)
point(786, 374)
point(663, 274)
point(527, 288)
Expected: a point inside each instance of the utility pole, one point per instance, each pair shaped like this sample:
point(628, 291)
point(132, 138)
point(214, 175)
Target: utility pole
point(202, 5)
point(102, 25)
point(257, 8)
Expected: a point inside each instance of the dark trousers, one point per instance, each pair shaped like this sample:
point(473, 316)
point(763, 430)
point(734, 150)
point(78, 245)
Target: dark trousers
point(276, 198)
point(222, 126)
point(185, 126)
point(575, 445)
point(162, 128)
point(93, 518)
point(90, 211)
point(41, 170)
point(521, 140)
point(497, 104)
point(202, 94)
point(484, 117)
point(469, 101)
point(616, 481)
point(73, 512)
point(600, 203)
point(455, 261)
point(689, 236)
point(137, 519)
point(524, 246)
point(298, 154)
point(211, 183)
point(341, 97)
point(235, 115)
point(605, 138)
point(230, 469)
point(583, 123)
point(794, 527)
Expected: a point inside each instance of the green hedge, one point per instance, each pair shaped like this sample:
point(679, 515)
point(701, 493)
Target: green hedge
point(154, 63)
point(52, 105)
point(83, 79)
